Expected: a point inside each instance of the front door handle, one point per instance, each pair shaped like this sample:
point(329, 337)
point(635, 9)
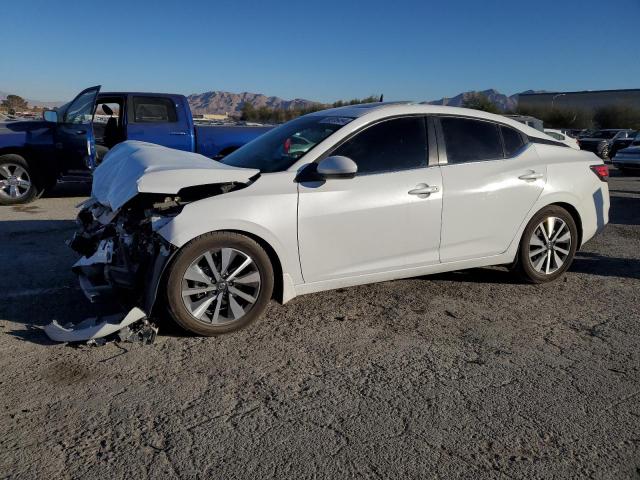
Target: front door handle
point(177, 133)
point(80, 132)
point(531, 176)
point(423, 190)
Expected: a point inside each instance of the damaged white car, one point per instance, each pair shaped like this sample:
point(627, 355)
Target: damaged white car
point(336, 198)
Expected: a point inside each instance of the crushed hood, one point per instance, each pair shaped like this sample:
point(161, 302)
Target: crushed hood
point(134, 167)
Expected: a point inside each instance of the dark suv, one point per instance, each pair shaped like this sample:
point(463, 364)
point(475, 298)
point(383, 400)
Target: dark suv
point(601, 142)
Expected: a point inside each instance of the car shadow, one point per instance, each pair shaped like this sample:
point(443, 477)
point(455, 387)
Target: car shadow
point(69, 189)
point(624, 210)
point(596, 264)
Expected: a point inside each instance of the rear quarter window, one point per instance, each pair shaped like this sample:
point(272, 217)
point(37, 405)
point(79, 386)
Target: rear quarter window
point(513, 140)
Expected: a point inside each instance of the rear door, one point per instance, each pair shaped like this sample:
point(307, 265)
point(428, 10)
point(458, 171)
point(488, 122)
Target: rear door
point(74, 140)
point(163, 120)
point(491, 178)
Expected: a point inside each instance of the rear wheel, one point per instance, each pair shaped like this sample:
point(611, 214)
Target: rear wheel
point(219, 283)
point(17, 182)
point(548, 245)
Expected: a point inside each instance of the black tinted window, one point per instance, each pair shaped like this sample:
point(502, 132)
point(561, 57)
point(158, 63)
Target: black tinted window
point(154, 110)
point(470, 140)
point(513, 140)
point(398, 144)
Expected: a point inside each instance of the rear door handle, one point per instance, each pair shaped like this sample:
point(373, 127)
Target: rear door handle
point(531, 176)
point(80, 132)
point(177, 133)
point(423, 190)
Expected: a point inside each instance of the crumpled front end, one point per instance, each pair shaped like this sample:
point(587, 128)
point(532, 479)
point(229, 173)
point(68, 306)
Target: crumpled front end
point(137, 190)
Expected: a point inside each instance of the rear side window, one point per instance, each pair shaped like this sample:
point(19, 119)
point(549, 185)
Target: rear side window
point(513, 141)
point(154, 110)
point(470, 140)
point(392, 145)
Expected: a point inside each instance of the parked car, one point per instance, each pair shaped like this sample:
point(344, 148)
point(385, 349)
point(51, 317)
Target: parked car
point(622, 141)
point(600, 141)
point(35, 154)
point(563, 138)
point(387, 191)
point(627, 160)
point(528, 120)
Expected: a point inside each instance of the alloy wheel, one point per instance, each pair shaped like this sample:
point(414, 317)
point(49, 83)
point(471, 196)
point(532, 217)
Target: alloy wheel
point(221, 286)
point(15, 182)
point(549, 245)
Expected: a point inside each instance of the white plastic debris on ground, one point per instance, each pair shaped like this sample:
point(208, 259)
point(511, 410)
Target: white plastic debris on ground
point(92, 328)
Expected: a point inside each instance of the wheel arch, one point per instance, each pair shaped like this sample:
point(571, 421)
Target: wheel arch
point(278, 286)
point(573, 211)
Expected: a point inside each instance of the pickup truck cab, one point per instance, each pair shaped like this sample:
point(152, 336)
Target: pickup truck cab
point(72, 139)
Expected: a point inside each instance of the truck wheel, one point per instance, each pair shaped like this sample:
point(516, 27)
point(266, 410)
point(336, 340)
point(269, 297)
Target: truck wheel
point(17, 182)
point(219, 283)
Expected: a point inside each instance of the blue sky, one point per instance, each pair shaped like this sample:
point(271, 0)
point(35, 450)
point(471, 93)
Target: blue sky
point(327, 50)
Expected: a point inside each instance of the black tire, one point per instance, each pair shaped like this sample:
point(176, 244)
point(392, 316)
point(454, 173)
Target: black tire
point(214, 243)
point(604, 152)
point(528, 267)
point(8, 164)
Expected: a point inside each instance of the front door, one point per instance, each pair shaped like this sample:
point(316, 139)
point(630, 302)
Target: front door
point(490, 182)
point(74, 140)
point(386, 218)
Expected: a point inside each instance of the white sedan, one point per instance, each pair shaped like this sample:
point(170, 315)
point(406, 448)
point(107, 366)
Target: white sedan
point(384, 191)
point(563, 138)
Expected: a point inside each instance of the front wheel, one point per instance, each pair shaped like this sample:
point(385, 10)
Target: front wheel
point(548, 245)
point(219, 283)
point(17, 184)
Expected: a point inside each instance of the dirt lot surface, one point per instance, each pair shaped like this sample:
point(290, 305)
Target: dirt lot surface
point(467, 374)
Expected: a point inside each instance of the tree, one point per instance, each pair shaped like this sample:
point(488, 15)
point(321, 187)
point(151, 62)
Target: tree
point(479, 101)
point(15, 103)
point(559, 117)
point(617, 116)
point(248, 112)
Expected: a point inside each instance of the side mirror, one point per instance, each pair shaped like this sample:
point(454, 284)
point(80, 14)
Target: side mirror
point(337, 166)
point(50, 116)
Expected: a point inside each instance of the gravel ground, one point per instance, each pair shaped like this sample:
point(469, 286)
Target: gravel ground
point(466, 374)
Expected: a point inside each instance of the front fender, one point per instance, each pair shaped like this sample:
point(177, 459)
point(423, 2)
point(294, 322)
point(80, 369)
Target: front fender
point(255, 210)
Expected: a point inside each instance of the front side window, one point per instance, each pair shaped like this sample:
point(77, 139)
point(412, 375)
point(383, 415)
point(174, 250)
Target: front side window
point(154, 110)
point(81, 110)
point(278, 149)
point(469, 140)
point(392, 145)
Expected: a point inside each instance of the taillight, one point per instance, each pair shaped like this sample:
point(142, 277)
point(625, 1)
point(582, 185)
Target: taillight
point(602, 171)
point(287, 145)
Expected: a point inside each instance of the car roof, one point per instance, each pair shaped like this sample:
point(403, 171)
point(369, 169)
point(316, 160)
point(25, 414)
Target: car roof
point(380, 110)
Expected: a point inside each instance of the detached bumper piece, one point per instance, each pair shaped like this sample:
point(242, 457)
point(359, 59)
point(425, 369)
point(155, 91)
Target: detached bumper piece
point(99, 327)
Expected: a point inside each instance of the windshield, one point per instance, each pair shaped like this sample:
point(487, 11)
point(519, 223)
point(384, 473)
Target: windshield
point(281, 147)
point(604, 134)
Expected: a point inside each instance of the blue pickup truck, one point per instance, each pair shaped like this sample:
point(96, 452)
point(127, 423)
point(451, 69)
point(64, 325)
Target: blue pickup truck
point(71, 140)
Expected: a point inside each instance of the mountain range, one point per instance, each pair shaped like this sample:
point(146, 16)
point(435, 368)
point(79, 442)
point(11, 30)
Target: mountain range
point(219, 102)
point(231, 103)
